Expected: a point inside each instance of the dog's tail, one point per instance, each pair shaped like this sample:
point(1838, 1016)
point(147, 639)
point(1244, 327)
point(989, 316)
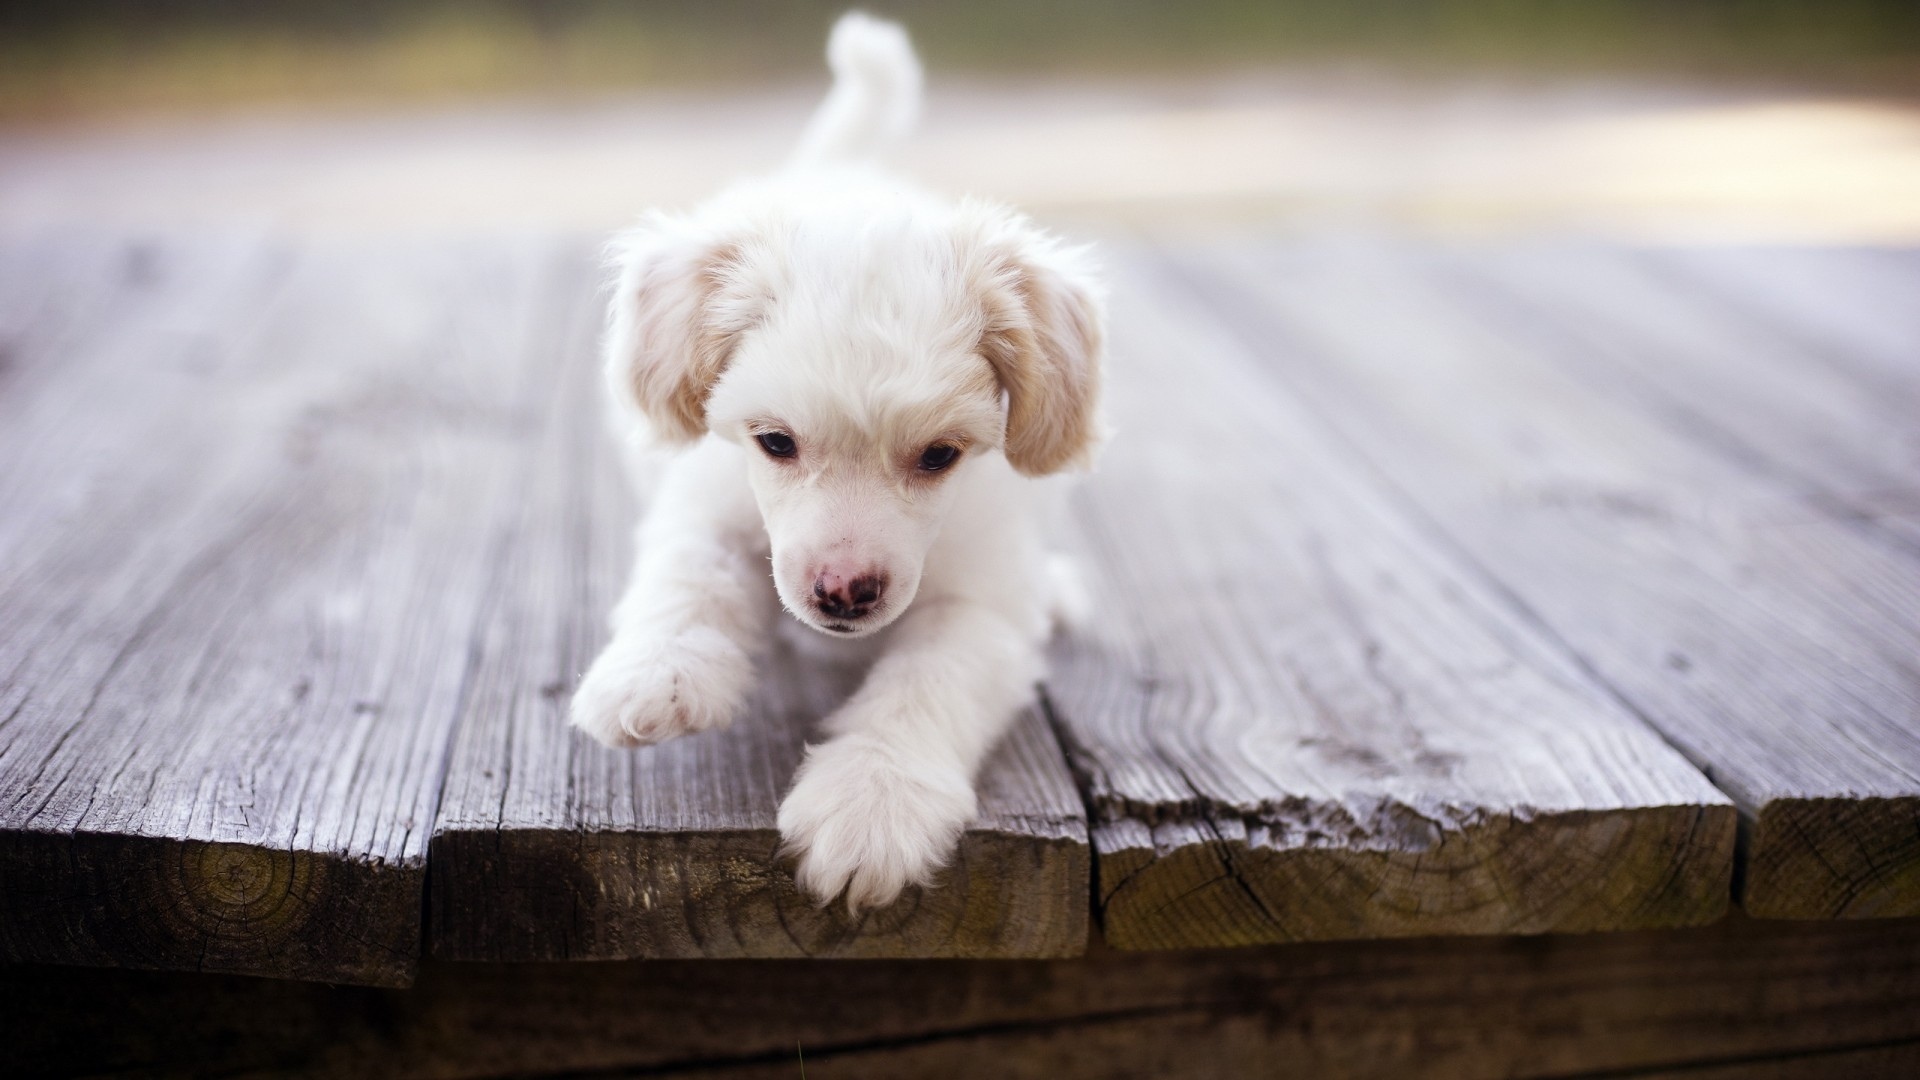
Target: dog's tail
point(875, 97)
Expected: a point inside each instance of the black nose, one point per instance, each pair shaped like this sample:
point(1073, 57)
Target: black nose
point(838, 598)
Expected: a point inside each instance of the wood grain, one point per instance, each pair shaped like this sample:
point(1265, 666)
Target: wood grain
point(1398, 555)
point(1298, 717)
point(1850, 310)
point(1769, 638)
point(1741, 998)
point(1836, 420)
point(549, 846)
point(249, 496)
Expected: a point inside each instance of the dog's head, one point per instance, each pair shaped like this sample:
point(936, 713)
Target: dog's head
point(866, 358)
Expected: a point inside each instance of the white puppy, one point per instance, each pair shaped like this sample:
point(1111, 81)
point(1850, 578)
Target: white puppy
point(833, 370)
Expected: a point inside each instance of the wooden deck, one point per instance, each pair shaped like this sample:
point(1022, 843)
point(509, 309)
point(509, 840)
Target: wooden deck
point(1442, 590)
point(1740, 1000)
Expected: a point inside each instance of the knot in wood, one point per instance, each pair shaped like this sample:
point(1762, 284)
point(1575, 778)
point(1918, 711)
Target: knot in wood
point(239, 891)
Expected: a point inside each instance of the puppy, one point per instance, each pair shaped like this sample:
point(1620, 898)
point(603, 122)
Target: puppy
point(836, 375)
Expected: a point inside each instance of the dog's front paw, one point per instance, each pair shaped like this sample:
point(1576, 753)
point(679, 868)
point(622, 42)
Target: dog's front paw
point(641, 691)
point(864, 820)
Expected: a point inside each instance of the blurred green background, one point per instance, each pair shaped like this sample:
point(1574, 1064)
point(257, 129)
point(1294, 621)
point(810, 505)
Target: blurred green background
point(60, 60)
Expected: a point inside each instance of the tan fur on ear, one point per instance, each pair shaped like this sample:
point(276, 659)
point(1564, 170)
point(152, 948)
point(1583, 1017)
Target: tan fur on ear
point(1044, 337)
point(670, 329)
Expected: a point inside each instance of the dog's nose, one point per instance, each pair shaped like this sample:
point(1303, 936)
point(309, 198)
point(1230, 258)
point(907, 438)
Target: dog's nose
point(841, 597)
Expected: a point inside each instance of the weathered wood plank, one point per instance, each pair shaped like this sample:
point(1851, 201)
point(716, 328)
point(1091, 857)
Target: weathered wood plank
point(1298, 717)
point(549, 846)
point(1771, 641)
point(52, 286)
point(1840, 427)
point(1854, 309)
point(1742, 997)
point(248, 525)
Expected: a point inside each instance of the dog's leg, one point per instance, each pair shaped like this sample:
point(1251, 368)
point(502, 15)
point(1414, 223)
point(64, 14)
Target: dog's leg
point(697, 608)
point(883, 801)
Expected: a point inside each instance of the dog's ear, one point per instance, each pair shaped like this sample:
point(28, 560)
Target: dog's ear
point(1044, 336)
point(672, 321)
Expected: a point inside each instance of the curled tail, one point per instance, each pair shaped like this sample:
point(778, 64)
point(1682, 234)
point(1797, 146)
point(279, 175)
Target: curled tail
point(875, 97)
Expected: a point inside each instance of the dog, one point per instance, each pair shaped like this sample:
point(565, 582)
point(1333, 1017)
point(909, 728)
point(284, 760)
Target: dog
point(866, 388)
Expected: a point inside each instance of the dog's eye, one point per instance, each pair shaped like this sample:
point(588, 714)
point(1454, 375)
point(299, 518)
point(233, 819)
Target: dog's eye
point(776, 443)
point(937, 457)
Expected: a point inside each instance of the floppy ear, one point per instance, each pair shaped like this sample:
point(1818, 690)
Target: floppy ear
point(675, 314)
point(1045, 338)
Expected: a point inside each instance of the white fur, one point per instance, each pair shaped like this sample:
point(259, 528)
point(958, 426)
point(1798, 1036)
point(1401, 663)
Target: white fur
point(875, 97)
point(866, 321)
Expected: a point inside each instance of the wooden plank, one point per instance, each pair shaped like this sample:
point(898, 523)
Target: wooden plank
point(245, 541)
point(95, 323)
point(1853, 309)
point(1746, 998)
point(1841, 428)
point(549, 846)
point(1298, 717)
point(1893, 1060)
point(50, 286)
point(1770, 641)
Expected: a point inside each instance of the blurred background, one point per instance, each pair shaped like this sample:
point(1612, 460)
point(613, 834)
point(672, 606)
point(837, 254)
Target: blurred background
point(1768, 120)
